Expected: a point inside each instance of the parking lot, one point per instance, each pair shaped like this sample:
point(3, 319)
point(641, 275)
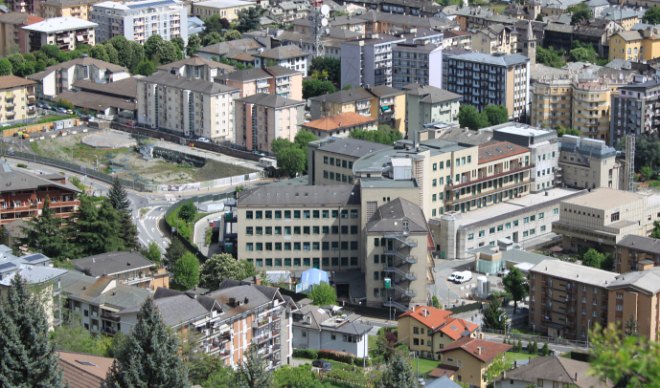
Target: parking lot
point(451, 294)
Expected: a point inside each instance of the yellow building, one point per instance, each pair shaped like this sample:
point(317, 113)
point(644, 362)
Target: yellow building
point(227, 9)
point(16, 98)
point(427, 330)
point(552, 100)
point(495, 38)
point(591, 109)
point(71, 8)
point(467, 359)
point(636, 46)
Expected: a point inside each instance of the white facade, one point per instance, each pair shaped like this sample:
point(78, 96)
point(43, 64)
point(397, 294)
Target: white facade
point(139, 20)
point(368, 62)
point(420, 64)
point(63, 32)
point(306, 338)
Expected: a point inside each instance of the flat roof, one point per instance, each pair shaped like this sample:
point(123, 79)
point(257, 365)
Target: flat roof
point(604, 198)
point(224, 3)
point(376, 183)
point(521, 130)
point(274, 196)
point(348, 146)
point(575, 272)
point(60, 24)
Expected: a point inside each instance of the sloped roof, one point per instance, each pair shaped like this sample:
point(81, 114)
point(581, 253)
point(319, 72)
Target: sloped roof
point(197, 61)
point(344, 96)
point(15, 180)
point(124, 88)
point(11, 81)
point(389, 217)
point(271, 100)
point(482, 350)
point(350, 147)
point(495, 150)
point(431, 94)
point(222, 48)
point(430, 317)
point(84, 61)
point(197, 85)
point(102, 291)
point(253, 74)
point(301, 196)
point(647, 281)
point(282, 52)
point(96, 101)
point(83, 370)
point(641, 243)
point(558, 370)
point(337, 122)
point(111, 263)
point(19, 18)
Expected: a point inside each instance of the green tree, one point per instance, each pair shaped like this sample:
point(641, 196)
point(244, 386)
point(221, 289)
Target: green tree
point(224, 266)
point(384, 135)
point(118, 196)
point(646, 173)
point(470, 117)
point(584, 53)
point(99, 52)
point(516, 285)
point(202, 367)
point(652, 15)
point(332, 66)
point(173, 253)
point(253, 373)
point(224, 376)
point(647, 152)
point(323, 294)
point(292, 161)
point(494, 315)
point(5, 67)
point(545, 351)
point(44, 234)
point(113, 55)
point(148, 356)
point(28, 358)
point(549, 57)
point(186, 272)
point(73, 337)
point(4, 235)
point(496, 114)
point(495, 369)
point(561, 131)
point(656, 230)
point(153, 253)
point(386, 344)
point(118, 199)
point(398, 374)
point(231, 35)
point(248, 19)
point(317, 87)
point(211, 38)
point(626, 361)
point(296, 377)
point(215, 24)
point(303, 137)
point(580, 12)
point(280, 144)
point(436, 302)
point(194, 43)
point(97, 228)
point(188, 211)
point(145, 67)
point(179, 43)
point(593, 258)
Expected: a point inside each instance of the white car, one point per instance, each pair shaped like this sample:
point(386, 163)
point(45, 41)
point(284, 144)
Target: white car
point(463, 277)
point(452, 277)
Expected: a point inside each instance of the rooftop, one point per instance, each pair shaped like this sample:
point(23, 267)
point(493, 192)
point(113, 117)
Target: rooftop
point(222, 48)
point(224, 3)
point(102, 291)
point(440, 320)
point(84, 61)
point(195, 85)
point(484, 351)
point(641, 243)
point(647, 281)
point(274, 196)
point(282, 52)
point(97, 101)
point(558, 370)
point(11, 81)
point(495, 150)
point(111, 263)
point(396, 216)
point(197, 61)
point(489, 59)
point(604, 198)
point(344, 96)
point(60, 24)
point(348, 146)
point(430, 94)
point(83, 370)
point(19, 18)
point(270, 100)
point(125, 88)
point(341, 121)
point(127, 6)
point(16, 180)
point(575, 272)
point(589, 147)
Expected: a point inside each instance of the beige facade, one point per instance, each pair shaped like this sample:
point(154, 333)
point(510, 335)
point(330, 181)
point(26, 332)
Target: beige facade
point(552, 102)
point(262, 118)
point(64, 32)
point(13, 38)
point(495, 38)
point(591, 109)
point(191, 107)
point(470, 358)
point(330, 160)
point(16, 99)
point(77, 8)
point(225, 9)
point(587, 163)
point(634, 303)
point(271, 80)
point(634, 253)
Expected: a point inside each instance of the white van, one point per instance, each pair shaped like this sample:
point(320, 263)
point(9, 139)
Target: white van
point(452, 277)
point(463, 277)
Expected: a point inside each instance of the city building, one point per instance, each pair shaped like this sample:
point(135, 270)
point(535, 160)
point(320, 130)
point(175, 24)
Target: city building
point(80, 9)
point(468, 359)
point(243, 46)
point(428, 104)
point(368, 62)
point(427, 330)
point(13, 38)
point(566, 299)
point(635, 109)
point(319, 328)
point(262, 118)
point(551, 371)
point(506, 255)
point(340, 125)
point(138, 20)
point(603, 217)
point(587, 163)
point(130, 268)
point(22, 195)
point(485, 79)
point(398, 262)
point(16, 99)
point(389, 107)
point(270, 80)
point(98, 302)
point(192, 107)
point(416, 63)
point(64, 32)
point(60, 78)
point(290, 57)
point(83, 370)
point(224, 9)
point(38, 272)
point(633, 253)
point(31, 7)
point(357, 100)
point(495, 38)
point(634, 299)
point(330, 160)
point(591, 108)
point(197, 68)
point(552, 101)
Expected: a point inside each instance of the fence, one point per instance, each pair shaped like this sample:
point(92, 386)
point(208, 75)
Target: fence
point(215, 183)
point(537, 338)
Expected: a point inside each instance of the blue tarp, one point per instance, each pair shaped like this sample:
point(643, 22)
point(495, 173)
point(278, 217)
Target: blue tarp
point(311, 277)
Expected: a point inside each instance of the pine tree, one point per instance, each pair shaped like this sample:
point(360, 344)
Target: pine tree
point(253, 373)
point(173, 253)
point(28, 358)
point(43, 234)
point(97, 229)
point(119, 197)
point(398, 374)
point(148, 357)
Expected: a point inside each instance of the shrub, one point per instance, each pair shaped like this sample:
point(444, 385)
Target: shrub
point(344, 357)
point(21, 165)
point(305, 353)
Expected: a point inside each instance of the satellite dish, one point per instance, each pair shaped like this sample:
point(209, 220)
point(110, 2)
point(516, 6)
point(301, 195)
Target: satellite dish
point(324, 22)
point(325, 10)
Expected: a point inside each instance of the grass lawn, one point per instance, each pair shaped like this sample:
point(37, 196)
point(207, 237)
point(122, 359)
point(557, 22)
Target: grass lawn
point(425, 366)
point(510, 357)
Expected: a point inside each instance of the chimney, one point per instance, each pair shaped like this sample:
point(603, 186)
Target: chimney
point(256, 280)
point(479, 350)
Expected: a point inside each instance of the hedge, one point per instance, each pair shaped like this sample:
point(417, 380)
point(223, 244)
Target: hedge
point(306, 353)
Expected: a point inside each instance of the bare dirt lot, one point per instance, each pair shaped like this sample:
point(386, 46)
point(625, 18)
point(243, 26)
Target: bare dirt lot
point(128, 163)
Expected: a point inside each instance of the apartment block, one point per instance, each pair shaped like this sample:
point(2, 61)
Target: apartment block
point(16, 98)
point(197, 67)
point(138, 20)
point(417, 63)
point(67, 8)
point(568, 299)
point(63, 32)
point(130, 268)
point(340, 125)
point(552, 102)
point(636, 46)
point(634, 253)
point(62, 77)
point(603, 217)
point(290, 57)
point(187, 106)
point(485, 79)
point(262, 118)
point(495, 38)
point(275, 80)
point(330, 160)
point(591, 108)
point(225, 9)
point(634, 302)
point(635, 109)
point(587, 163)
point(13, 38)
point(368, 62)
point(22, 195)
point(429, 104)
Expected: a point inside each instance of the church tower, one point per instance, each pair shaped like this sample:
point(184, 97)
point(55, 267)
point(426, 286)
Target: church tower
point(530, 44)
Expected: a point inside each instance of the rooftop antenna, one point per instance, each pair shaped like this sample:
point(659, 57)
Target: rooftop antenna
point(321, 14)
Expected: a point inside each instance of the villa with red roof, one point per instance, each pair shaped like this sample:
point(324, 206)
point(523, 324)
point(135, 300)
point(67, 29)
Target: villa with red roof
point(428, 330)
point(466, 360)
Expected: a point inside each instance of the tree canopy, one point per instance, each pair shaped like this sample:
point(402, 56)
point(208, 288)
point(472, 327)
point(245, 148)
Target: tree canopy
point(253, 372)
point(317, 87)
point(292, 156)
point(549, 57)
point(561, 131)
point(248, 19)
point(323, 294)
point(496, 114)
point(398, 374)
point(331, 66)
point(647, 152)
point(516, 285)
point(652, 15)
point(186, 272)
point(384, 135)
point(580, 12)
point(223, 266)
point(470, 117)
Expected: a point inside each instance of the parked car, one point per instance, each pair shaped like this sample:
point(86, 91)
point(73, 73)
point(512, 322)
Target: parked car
point(503, 272)
point(463, 277)
point(203, 140)
point(322, 364)
point(453, 275)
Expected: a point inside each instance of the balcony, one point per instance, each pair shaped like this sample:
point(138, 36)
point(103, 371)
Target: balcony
point(260, 323)
point(406, 276)
point(405, 259)
point(109, 316)
point(405, 292)
point(402, 238)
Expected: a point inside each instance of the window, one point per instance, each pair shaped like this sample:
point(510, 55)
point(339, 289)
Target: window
point(614, 217)
point(249, 215)
point(249, 231)
point(415, 330)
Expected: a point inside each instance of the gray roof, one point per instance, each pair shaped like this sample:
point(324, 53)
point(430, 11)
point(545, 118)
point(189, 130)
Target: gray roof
point(195, 85)
point(647, 281)
point(97, 101)
point(111, 263)
point(318, 316)
point(102, 291)
point(255, 73)
point(270, 100)
point(575, 272)
point(516, 256)
point(382, 91)
point(300, 196)
point(16, 180)
point(282, 52)
point(222, 48)
point(641, 243)
point(344, 96)
point(431, 94)
point(125, 88)
point(498, 60)
point(390, 216)
point(248, 296)
point(33, 274)
point(197, 61)
point(587, 147)
point(349, 147)
point(84, 61)
point(557, 370)
point(279, 71)
point(176, 310)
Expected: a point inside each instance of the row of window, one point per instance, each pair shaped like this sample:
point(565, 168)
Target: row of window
point(298, 230)
point(337, 162)
point(344, 178)
point(315, 262)
point(515, 223)
point(299, 214)
point(304, 246)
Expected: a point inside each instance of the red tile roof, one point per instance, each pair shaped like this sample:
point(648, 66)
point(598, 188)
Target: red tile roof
point(340, 121)
point(430, 317)
point(455, 328)
point(483, 350)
